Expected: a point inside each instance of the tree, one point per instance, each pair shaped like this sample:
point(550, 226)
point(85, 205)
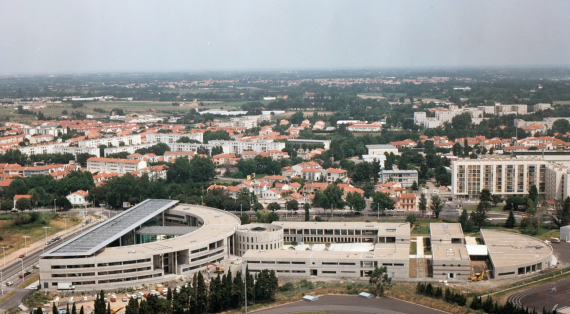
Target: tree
point(376, 170)
point(330, 198)
point(23, 204)
point(533, 193)
point(266, 216)
point(511, 221)
point(356, 201)
point(463, 218)
point(479, 216)
point(82, 158)
point(560, 126)
point(462, 121)
point(81, 310)
point(422, 204)
point(436, 205)
point(411, 218)
point(99, 304)
point(307, 208)
point(7, 205)
point(297, 118)
point(292, 205)
point(362, 172)
point(273, 206)
point(54, 309)
point(382, 201)
point(562, 217)
point(414, 185)
point(378, 279)
point(496, 199)
point(73, 309)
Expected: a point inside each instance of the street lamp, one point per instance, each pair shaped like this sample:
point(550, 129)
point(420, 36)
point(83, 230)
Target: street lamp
point(245, 285)
point(54, 206)
point(25, 243)
point(22, 260)
point(2, 282)
point(65, 224)
point(4, 253)
point(45, 229)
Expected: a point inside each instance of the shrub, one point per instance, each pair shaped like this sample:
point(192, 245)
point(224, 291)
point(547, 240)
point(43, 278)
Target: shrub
point(287, 287)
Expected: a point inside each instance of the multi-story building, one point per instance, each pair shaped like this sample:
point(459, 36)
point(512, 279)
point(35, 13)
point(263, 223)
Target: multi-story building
point(115, 141)
point(120, 166)
point(557, 182)
point(334, 174)
point(405, 177)
point(169, 138)
point(503, 176)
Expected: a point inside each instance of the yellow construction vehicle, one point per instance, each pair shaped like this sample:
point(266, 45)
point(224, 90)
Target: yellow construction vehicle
point(217, 269)
point(477, 277)
point(116, 309)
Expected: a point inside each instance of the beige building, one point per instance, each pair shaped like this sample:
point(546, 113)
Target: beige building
point(503, 176)
point(120, 166)
point(557, 182)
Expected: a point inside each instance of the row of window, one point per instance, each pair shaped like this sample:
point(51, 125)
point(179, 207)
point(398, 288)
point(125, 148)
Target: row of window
point(330, 232)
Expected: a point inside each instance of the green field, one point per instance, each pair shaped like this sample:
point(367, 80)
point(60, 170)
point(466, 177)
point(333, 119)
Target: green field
point(493, 208)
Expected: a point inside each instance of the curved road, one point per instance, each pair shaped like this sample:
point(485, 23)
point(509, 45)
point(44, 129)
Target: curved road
point(543, 296)
point(346, 304)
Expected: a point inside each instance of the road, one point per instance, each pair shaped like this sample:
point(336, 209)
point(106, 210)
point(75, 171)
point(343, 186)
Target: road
point(13, 270)
point(344, 304)
point(543, 296)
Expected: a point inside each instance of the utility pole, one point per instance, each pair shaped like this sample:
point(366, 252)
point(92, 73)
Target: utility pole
point(54, 206)
point(4, 253)
point(245, 286)
point(45, 229)
point(25, 243)
point(378, 211)
point(65, 224)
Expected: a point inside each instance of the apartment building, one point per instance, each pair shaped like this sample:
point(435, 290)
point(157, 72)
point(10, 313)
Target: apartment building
point(405, 177)
point(115, 141)
point(120, 166)
point(334, 174)
point(557, 182)
point(169, 138)
point(503, 176)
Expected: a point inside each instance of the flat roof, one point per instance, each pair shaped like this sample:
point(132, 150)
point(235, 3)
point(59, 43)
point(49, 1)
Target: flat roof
point(449, 252)
point(445, 231)
point(510, 249)
point(104, 234)
point(214, 224)
point(384, 228)
point(381, 146)
point(381, 251)
point(166, 230)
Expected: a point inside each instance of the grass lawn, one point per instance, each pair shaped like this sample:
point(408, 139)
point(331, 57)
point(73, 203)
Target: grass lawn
point(422, 226)
point(493, 208)
point(413, 248)
point(30, 279)
point(13, 235)
point(37, 299)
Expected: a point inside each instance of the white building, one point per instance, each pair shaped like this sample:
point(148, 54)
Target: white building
point(78, 198)
point(405, 177)
point(168, 138)
point(120, 166)
point(557, 183)
point(115, 141)
point(503, 176)
point(380, 149)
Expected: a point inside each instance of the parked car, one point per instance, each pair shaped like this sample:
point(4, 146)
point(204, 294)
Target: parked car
point(124, 299)
point(9, 283)
point(22, 255)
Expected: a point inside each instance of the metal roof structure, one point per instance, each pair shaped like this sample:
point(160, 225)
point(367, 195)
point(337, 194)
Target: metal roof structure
point(104, 234)
point(166, 230)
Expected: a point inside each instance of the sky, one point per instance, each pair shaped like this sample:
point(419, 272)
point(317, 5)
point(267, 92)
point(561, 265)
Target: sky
point(43, 37)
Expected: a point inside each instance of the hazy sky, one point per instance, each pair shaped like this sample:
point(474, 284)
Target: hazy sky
point(142, 35)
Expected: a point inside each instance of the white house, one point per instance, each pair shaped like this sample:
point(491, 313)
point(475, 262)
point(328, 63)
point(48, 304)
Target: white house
point(77, 198)
point(271, 194)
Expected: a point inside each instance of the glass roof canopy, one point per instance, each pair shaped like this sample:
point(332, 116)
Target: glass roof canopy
point(102, 235)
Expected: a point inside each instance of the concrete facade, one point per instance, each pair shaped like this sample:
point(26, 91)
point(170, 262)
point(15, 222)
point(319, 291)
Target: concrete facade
point(503, 176)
